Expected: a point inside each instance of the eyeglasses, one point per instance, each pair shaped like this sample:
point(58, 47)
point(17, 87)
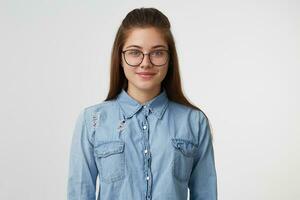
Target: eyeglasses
point(134, 57)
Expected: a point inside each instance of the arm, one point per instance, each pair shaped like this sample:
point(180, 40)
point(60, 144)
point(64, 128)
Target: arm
point(203, 180)
point(82, 167)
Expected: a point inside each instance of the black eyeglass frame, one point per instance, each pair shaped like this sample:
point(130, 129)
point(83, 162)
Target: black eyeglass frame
point(168, 53)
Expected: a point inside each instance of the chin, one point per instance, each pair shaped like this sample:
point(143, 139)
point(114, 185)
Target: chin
point(146, 86)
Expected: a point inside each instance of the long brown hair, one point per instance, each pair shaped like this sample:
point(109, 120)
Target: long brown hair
point(143, 18)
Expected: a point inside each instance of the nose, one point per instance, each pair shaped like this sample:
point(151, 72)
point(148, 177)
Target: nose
point(146, 61)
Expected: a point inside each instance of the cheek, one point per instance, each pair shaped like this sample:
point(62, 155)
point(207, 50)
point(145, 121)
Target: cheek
point(129, 72)
point(163, 73)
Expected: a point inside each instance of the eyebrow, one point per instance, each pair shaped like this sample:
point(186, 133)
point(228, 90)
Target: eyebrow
point(154, 47)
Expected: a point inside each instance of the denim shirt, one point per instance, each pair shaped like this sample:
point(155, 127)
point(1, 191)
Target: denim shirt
point(151, 151)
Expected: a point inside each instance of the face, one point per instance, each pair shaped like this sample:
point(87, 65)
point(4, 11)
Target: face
point(145, 76)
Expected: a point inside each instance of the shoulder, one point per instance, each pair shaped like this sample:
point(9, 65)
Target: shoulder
point(92, 113)
point(178, 109)
point(99, 106)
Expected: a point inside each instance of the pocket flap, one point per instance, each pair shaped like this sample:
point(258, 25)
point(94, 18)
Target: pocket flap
point(108, 148)
point(187, 147)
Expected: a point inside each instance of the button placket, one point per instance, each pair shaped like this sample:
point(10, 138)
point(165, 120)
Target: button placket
point(147, 153)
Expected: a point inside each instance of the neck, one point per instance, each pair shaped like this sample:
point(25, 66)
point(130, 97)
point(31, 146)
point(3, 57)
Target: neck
point(142, 96)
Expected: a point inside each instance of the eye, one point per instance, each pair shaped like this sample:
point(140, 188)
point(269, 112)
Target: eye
point(134, 53)
point(158, 53)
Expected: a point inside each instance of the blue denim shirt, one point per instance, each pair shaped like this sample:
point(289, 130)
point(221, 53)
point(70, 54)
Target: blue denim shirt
point(156, 150)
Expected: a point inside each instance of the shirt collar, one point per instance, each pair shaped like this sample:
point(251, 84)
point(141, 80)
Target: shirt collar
point(130, 106)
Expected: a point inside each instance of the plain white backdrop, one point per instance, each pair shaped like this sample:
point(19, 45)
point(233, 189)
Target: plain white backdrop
point(239, 62)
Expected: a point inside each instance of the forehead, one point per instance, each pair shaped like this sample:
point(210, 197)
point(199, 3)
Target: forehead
point(145, 38)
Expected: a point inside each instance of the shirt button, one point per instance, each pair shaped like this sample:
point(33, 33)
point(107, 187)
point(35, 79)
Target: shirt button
point(146, 151)
point(144, 127)
point(148, 178)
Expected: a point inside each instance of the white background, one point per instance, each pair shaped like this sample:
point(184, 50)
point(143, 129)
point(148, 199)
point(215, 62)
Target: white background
point(239, 62)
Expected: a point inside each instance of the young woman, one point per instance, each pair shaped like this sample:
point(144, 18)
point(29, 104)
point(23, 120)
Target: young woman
point(145, 141)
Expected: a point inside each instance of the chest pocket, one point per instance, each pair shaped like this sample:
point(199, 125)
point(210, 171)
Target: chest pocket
point(184, 152)
point(110, 159)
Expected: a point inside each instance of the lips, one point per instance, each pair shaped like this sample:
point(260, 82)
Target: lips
point(146, 75)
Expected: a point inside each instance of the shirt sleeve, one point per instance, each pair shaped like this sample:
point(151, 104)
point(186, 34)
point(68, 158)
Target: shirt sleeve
point(82, 167)
point(203, 180)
